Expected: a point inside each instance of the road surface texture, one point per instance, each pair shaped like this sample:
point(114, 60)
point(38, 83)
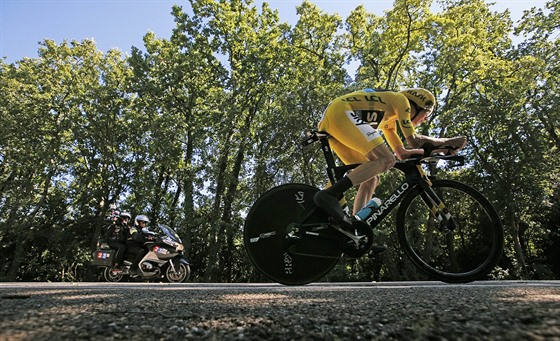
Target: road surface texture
point(510, 310)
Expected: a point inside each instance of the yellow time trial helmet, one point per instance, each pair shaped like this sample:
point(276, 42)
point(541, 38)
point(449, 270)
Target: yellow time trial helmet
point(423, 98)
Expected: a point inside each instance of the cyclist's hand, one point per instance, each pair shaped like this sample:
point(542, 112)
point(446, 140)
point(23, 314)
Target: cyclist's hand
point(457, 142)
point(403, 154)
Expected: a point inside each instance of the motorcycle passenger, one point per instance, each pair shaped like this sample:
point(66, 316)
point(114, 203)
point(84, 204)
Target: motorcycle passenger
point(135, 242)
point(116, 236)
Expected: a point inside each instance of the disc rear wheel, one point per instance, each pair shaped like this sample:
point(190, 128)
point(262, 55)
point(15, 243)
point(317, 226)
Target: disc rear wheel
point(274, 240)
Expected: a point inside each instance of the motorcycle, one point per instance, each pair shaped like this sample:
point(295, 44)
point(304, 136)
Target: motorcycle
point(163, 260)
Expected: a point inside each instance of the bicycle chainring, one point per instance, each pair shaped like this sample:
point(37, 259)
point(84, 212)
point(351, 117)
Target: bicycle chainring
point(356, 249)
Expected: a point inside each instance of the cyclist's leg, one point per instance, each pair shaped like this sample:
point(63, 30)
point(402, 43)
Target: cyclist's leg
point(328, 199)
point(350, 156)
point(381, 160)
point(365, 192)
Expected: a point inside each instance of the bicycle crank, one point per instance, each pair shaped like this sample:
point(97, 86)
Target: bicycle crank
point(361, 239)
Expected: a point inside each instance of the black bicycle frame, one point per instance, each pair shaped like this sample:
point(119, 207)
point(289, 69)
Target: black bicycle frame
point(414, 176)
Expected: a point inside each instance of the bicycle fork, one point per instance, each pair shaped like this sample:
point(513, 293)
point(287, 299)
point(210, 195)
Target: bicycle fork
point(434, 203)
point(437, 206)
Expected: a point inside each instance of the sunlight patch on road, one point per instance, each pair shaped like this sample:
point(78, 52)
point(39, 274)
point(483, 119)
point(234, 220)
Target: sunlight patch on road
point(260, 299)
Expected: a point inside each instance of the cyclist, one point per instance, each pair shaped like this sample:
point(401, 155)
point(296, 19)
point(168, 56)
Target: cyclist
point(353, 120)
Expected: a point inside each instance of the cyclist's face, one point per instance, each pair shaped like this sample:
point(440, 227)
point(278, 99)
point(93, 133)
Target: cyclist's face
point(421, 117)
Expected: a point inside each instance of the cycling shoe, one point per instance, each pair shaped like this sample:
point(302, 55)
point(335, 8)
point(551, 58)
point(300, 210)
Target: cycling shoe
point(331, 205)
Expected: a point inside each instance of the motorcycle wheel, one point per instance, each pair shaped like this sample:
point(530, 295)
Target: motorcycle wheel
point(180, 276)
point(112, 277)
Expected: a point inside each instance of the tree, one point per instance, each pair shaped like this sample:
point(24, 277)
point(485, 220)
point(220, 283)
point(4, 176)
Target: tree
point(175, 83)
point(44, 104)
point(385, 45)
point(247, 41)
point(191, 130)
point(539, 141)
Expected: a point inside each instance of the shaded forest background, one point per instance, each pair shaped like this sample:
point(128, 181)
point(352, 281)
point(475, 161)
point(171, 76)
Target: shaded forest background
point(190, 130)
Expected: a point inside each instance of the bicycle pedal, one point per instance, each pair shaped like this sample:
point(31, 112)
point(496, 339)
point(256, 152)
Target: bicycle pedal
point(377, 250)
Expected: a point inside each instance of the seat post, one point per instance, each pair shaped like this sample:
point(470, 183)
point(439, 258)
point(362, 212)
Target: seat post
point(329, 158)
point(334, 172)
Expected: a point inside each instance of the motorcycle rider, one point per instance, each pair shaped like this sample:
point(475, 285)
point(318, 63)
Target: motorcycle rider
point(135, 242)
point(116, 236)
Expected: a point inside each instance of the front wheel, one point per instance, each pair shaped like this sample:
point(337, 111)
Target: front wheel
point(182, 273)
point(274, 240)
point(464, 247)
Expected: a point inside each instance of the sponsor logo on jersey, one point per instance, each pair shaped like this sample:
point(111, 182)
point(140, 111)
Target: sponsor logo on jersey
point(357, 120)
point(368, 98)
point(365, 129)
point(351, 99)
point(374, 98)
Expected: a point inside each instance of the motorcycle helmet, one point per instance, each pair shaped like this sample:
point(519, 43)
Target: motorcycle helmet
point(125, 216)
point(140, 218)
point(114, 216)
point(422, 98)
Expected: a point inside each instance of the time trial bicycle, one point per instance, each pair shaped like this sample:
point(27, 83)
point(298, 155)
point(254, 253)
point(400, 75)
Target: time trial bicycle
point(449, 230)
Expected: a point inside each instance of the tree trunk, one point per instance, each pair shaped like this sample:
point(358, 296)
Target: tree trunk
point(227, 214)
point(519, 256)
point(159, 189)
point(188, 187)
point(17, 259)
point(216, 225)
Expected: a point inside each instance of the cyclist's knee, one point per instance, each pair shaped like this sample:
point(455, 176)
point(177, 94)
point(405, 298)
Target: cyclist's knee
point(388, 161)
point(382, 156)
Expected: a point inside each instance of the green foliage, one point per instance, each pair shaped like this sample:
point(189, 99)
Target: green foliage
point(192, 129)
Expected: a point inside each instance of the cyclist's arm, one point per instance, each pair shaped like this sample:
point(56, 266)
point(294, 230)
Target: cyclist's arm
point(402, 153)
point(417, 140)
point(390, 134)
point(402, 110)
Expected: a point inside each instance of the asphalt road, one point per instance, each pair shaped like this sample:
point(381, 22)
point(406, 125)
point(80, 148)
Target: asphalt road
point(501, 310)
